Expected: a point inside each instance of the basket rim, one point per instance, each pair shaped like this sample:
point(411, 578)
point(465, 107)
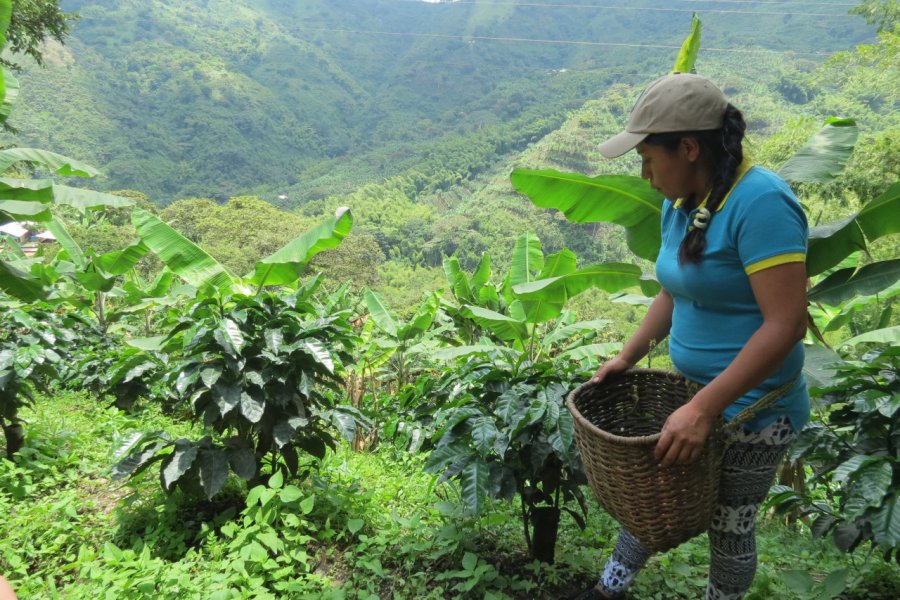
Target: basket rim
point(640, 440)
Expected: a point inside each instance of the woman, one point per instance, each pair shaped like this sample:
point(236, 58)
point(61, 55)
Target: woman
point(733, 304)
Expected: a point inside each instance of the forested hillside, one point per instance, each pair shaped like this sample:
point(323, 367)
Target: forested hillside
point(217, 98)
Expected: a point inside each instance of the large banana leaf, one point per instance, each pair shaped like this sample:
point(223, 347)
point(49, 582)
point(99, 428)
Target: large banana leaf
point(19, 284)
point(5, 15)
point(422, 319)
point(881, 216)
point(288, 263)
point(527, 259)
point(687, 56)
point(182, 256)
point(83, 199)
point(11, 85)
point(562, 263)
point(380, 313)
point(120, 262)
point(506, 328)
point(622, 199)
point(844, 284)
point(482, 274)
point(544, 299)
point(456, 278)
point(831, 243)
point(888, 335)
point(65, 240)
point(824, 155)
point(25, 200)
point(57, 163)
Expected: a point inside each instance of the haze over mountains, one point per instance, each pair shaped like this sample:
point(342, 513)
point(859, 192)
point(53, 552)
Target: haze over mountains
point(304, 99)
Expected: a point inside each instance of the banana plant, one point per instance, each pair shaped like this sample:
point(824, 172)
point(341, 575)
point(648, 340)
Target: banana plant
point(200, 270)
point(401, 341)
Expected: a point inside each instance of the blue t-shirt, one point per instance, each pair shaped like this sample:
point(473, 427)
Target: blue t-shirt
point(759, 225)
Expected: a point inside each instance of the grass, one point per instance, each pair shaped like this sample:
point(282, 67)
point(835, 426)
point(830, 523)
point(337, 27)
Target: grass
point(368, 525)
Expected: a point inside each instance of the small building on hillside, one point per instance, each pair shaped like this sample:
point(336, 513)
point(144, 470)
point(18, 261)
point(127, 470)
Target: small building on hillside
point(27, 235)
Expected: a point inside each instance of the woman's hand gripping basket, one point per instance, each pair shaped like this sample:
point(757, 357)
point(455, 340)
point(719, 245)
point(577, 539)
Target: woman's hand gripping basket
point(617, 425)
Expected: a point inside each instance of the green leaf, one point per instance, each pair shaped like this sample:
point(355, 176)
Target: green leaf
point(561, 263)
point(25, 210)
point(888, 335)
point(57, 163)
point(875, 481)
point(844, 284)
point(829, 244)
point(474, 485)
point(687, 56)
point(288, 263)
point(213, 471)
point(182, 256)
point(455, 352)
point(83, 199)
point(543, 299)
point(290, 493)
point(65, 240)
point(232, 331)
point(622, 199)
point(315, 348)
point(879, 218)
point(834, 584)
point(798, 581)
point(440, 457)
point(886, 523)
point(484, 433)
point(422, 318)
point(482, 274)
point(122, 261)
point(824, 155)
point(177, 465)
point(565, 332)
point(252, 408)
point(226, 397)
point(818, 366)
point(381, 314)
point(459, 283)
point(19, 284)
point(354, 525)
point(527, 259)
point(9, 91)
point(506, 328)
point(849, 467)
point(243, 462)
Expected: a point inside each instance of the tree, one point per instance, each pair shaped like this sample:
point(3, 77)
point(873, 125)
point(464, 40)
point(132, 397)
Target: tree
point(32, 22)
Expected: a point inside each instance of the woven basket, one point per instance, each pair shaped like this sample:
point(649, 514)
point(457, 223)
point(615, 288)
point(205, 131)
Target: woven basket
point(617, 425)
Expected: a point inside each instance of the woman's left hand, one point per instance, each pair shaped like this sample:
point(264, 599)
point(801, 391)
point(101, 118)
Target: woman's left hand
point(683, 436)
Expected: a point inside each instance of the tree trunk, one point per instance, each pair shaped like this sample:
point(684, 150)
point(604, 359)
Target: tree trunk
point(15, 438)
point(545, 523)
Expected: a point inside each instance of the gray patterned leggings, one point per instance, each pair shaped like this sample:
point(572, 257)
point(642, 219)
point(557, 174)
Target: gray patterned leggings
point(748, 468)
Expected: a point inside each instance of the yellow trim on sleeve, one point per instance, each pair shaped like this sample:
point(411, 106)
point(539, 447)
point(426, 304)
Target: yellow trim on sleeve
point(781, 259)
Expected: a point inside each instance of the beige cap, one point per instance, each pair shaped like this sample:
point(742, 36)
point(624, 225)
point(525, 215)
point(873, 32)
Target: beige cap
point(676, 102)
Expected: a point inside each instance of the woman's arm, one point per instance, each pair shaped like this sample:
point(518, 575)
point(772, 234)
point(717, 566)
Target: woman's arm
point(780, 292)
point(654, 328)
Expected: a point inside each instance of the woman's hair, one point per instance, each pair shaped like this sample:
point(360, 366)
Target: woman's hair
point(721, 153)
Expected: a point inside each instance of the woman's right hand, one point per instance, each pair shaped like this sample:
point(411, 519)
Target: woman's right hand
point(611, 367)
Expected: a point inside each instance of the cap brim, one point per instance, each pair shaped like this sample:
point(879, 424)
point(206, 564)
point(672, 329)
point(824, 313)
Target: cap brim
point(620, 144)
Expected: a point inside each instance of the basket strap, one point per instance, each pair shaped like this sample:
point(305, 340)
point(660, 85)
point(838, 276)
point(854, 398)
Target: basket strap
point(765, 402)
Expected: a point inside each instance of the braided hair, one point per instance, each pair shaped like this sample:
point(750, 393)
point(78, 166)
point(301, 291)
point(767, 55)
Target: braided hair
point(721, 153)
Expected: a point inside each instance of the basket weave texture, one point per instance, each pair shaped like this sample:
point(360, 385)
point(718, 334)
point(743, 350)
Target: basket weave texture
point(617, 425)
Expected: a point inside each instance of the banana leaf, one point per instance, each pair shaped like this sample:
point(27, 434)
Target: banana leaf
point(824, 155)
point(622, 199)
point(83, 199)
point(19, 284)
point(888, 335)
point(845, 284)
point(505, 328)
point(831, 243)
point(288, 263)
point(10, 92)
point(527, 259)
point(182, 256)
point(380, 313)
point(687, 56)
point(57, 163)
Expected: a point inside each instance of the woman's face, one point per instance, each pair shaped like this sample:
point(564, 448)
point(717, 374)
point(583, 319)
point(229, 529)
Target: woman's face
point(674, 174)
